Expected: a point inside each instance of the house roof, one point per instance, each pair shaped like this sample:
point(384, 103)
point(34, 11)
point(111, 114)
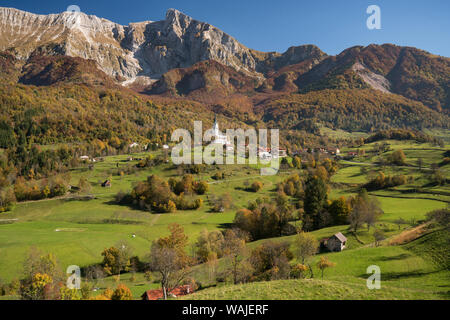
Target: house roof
point(341, 237)
point(158, 294)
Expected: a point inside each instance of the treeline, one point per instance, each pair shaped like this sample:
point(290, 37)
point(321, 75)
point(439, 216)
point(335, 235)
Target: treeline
point(81, 113)
point(351, 110)
point(299, 198)
point(304, 200)
point(381, 181)
point(45, 188)
point(402, 134)
point(162, 196)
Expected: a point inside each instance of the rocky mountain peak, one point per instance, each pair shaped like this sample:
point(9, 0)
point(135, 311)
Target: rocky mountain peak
point(140, 51)
point(174, 16)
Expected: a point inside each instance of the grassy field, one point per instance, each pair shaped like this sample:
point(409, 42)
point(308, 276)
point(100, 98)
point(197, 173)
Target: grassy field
point(307, 290)
point(407, 272)
point(77, 231)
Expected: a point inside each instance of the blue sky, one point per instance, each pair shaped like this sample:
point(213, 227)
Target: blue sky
point(276, 25)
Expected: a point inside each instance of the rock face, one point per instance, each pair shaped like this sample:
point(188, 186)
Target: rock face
point(72, 34)
point(180, 41)
point(146, 49)
point(150, 55)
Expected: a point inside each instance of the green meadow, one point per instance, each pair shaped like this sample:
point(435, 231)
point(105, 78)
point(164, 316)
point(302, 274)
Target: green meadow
point(77, 230)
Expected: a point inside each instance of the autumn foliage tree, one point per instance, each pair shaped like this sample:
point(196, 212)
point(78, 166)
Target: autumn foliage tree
point(397, 158)
point(306, 246)
point(270, 261)
point(168, 257)
point(340, 211)
point(122, 292)
point(324, 263)
point(117, 259)
point(43, 277)
point(235, 251)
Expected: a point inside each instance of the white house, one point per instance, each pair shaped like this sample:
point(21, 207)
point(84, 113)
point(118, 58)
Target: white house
point(134, 145)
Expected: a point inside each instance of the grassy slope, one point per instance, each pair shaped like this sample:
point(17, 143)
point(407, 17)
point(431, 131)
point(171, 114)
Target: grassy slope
point(407, 272)
point(84, 236)
point(306, 290)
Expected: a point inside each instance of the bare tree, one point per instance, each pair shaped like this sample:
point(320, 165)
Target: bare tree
point(365, 210)
point(168, 257)
point(379, 236)
point(306, 246)
point(125, 253)
point(235, 251)
point(172, 267)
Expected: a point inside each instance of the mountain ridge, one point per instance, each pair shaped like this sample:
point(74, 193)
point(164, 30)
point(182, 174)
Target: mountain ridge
point(142, 54)
point(192, 63)
point(143, 49)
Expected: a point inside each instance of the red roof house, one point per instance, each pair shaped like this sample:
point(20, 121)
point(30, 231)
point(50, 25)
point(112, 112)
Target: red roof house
point(159, 294)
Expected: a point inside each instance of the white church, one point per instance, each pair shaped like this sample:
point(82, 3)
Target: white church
point(220, 138)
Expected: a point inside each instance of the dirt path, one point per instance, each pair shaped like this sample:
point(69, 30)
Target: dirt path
point(155, 219)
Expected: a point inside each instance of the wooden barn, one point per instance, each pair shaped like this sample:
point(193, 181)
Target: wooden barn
point(335, 243)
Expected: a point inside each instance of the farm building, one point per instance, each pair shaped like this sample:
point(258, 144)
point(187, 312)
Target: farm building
point(335, 243)
point(334, 151)
point(159, 295)
point(282, 153)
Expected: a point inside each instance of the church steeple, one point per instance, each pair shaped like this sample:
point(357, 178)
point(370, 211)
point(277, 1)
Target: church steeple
point(216, 124)
point(219, 138)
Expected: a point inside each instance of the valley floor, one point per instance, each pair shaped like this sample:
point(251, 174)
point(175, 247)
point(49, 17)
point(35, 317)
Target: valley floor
point(78, 231)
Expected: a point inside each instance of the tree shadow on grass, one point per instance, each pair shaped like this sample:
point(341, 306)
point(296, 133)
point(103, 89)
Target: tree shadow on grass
point(129, 206)
point(226, 226)
point(398, 257)
point(401, 275)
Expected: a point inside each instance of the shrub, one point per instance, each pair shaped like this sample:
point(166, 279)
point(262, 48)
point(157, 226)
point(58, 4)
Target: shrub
point(122, 293)
point(201, 187)
point(397, 158)
point(440, 216)
point(7, 199)
point(219, 176)
point(298, 271)
point(256, 186)
point(222, 203)
point(264, 221)
point(271, 261)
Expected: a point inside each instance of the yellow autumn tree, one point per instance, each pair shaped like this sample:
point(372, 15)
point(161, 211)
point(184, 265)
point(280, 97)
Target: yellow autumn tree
point(324, 263)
